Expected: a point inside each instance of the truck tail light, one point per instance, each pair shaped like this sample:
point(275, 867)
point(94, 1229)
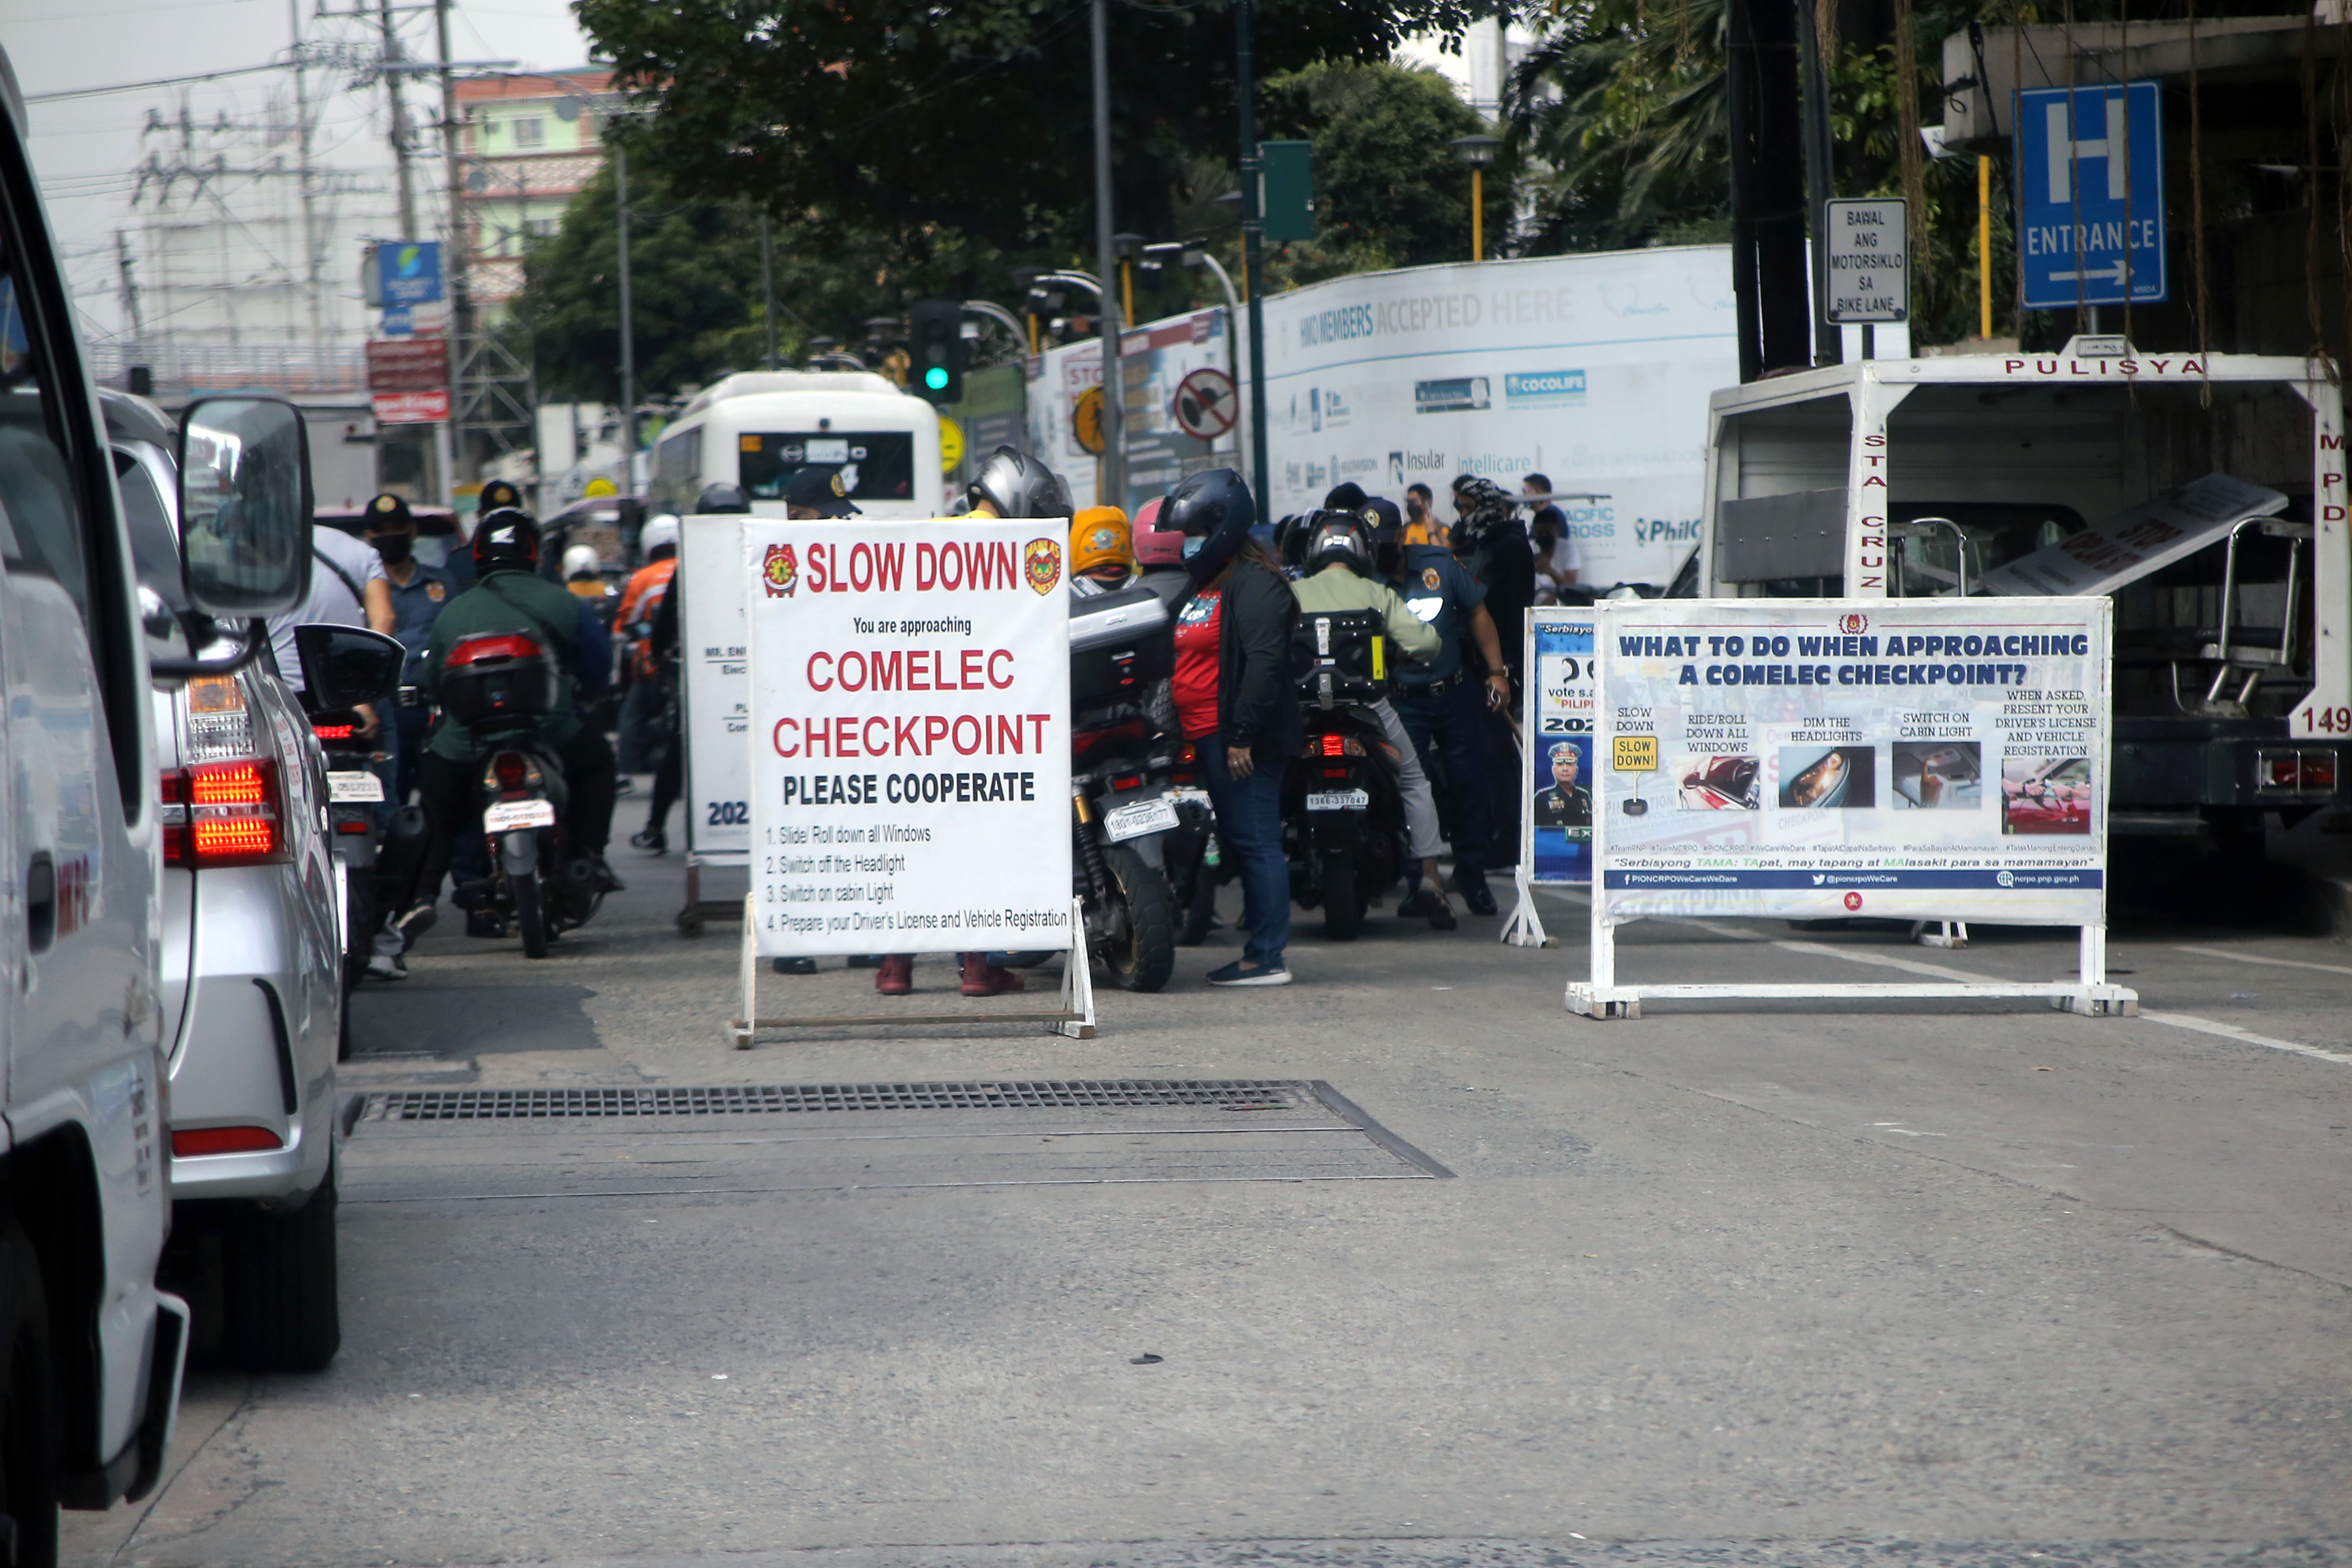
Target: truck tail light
point(2305, 773)
point(194, 1141)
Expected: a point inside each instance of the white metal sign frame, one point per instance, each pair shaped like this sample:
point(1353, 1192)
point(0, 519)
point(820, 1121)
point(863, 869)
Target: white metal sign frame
point(1555, 706)
point(1602, 995)
point(714, 725)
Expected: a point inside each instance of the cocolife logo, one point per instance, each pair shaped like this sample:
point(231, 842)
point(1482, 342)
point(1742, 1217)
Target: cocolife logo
point(1544, 388)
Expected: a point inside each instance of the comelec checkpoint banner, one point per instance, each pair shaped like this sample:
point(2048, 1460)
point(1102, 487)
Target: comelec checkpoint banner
point(1557, 821)
point(910, 745)
point(1808, 759)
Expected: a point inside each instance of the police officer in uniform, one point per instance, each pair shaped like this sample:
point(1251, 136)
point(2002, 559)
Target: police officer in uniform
point(1567, 803)
point(1444, 702)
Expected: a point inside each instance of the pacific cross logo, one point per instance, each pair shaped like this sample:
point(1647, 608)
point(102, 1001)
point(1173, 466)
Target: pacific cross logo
point(1041, 561)
point(779, 574)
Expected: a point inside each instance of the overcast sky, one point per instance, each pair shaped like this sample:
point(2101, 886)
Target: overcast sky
point(85, 149)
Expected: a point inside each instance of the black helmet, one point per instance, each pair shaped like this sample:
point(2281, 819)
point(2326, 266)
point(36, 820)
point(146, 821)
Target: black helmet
point(1215, 507)
point(1290, 539)
point(719, 497)
point(1018, 485)
point(1338, 536)
point(506, 538)
point(1345, 496)
point(499, 496)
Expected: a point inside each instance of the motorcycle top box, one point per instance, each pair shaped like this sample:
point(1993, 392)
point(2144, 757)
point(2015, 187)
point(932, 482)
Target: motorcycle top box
point(1120, 645)
point(1341, 657)
point(497, 680)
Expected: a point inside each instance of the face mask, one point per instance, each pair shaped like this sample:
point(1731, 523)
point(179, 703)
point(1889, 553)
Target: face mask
point(1192, 545)
point(394, 547)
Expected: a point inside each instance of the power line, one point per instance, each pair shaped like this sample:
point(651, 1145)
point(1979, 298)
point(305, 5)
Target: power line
point(159, 81)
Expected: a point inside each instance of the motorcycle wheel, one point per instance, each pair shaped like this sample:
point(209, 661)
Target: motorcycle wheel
point(530, 917)
point(1343, 909)
point(1148, 957)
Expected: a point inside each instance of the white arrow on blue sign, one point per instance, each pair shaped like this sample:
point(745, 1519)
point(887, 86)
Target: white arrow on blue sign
point(2090, 185)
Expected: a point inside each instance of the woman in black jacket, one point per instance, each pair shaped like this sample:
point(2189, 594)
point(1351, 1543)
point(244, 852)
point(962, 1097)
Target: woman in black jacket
point(1236, 702)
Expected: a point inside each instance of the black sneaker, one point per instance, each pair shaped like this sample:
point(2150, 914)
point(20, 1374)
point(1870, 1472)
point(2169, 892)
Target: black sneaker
point(1475, 895)
point(1242, 973)
point(485, 924)
point(651, 841)
point(1429, 902)
point(601, 878)
point(793, 965)
point(415, 921)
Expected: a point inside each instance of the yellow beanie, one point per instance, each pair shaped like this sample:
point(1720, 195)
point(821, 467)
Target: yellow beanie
point(1098, 535)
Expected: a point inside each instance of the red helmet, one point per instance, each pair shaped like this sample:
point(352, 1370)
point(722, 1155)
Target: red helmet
point(1154, 544)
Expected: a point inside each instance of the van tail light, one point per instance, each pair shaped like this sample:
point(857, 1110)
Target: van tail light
point(224, 813)
point(195, 1141)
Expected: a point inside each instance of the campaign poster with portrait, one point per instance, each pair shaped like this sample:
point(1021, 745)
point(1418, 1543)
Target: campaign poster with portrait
point(1814, 758)
point(1557, 821)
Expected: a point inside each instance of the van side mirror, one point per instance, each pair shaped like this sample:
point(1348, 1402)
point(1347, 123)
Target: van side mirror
point(244, 507)
point(343, 667)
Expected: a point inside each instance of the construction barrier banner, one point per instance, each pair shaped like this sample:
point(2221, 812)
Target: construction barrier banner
point(911, 736)
point(1810, 758)
point(1557, 823)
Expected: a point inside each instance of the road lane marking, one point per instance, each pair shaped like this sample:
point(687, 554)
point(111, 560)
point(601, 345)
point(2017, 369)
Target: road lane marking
point(2256, 958)
point(2245, 1037)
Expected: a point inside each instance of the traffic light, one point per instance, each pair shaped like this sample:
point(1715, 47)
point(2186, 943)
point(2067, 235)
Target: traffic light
point(934, 343)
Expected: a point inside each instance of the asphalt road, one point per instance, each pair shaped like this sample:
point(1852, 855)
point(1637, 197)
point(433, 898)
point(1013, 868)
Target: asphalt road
point(1734, 1283)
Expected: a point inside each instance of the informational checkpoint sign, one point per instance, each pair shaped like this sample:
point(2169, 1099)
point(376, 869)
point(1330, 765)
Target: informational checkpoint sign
point(910, 741)
point(1806, 757)
point(1558, 821)
point(717, 686)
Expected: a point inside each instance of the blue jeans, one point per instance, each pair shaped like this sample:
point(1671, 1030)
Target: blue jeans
point(1452, 724)
point(1249, 826)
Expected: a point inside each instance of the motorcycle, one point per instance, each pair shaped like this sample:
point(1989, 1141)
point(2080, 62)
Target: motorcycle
point(1343, 823)
point(501, 686)
point(354, 795)
point(1189, 857)
point(1124, 805)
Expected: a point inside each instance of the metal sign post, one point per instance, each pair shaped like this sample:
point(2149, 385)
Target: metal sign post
point(2090, 187)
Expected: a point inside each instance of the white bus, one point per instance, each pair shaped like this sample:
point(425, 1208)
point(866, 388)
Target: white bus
point(756, 430)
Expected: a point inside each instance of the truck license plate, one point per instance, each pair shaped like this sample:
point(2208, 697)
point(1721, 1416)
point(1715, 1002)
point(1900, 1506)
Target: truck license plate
point(510, 814)
point(1154, 815)
point(1338, 800)
point(348, 789)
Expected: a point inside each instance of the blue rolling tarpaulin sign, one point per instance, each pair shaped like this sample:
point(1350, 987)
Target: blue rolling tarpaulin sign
point(2090, 183)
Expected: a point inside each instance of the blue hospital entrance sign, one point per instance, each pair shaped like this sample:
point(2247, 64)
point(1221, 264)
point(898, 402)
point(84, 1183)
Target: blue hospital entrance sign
point(2090, 190)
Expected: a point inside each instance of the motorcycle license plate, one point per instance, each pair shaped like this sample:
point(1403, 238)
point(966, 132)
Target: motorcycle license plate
point(510, 814)
point(1339, 800)
point(348, 789)
point(1155, 816)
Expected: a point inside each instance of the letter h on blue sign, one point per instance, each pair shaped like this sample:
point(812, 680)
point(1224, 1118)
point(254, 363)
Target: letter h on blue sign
point(2090, 194)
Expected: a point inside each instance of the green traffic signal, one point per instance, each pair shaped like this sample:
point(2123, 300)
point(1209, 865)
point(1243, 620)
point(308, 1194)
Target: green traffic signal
point(935, 378)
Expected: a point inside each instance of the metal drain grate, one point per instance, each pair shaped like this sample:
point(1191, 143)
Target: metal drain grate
point(734, 1099)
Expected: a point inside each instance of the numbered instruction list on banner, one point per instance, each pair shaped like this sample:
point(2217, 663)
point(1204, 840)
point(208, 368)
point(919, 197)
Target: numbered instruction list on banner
point(1805, 759)
point(1559, 821)
point(910, 751)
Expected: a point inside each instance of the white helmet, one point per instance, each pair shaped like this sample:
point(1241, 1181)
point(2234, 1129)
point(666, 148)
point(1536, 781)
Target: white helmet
point(580, 561)
point(657, 532)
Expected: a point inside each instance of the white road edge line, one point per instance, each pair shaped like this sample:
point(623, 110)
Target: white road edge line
point(2256, 958)
point(2245, 1037)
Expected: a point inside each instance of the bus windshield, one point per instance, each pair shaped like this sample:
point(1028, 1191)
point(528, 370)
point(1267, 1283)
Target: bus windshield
point(874, 465)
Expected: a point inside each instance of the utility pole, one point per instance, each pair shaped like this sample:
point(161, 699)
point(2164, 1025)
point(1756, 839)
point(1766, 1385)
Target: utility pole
point(768, 290)
point(130, 288)
point(1114, 380)
point(312, 285)
point(628, 321)
point(1253, 247)
point(399, 147)
point(461, 303)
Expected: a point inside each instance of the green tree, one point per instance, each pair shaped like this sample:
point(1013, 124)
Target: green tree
point(1388, 191)
point(964, 131)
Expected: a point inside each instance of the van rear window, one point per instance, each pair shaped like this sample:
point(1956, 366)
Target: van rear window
point(874, 466)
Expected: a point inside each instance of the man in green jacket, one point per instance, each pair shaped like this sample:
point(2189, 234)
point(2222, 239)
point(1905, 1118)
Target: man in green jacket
point(509, 595)
point(1340, 576)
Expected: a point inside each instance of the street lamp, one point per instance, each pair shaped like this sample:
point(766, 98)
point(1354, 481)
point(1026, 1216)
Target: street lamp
point(1195, 252)
point(1478, 152)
